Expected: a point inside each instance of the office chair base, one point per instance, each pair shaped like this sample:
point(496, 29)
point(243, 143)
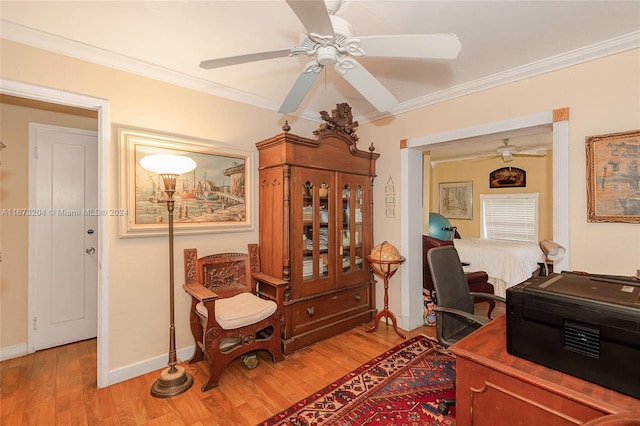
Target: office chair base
point(445, 405)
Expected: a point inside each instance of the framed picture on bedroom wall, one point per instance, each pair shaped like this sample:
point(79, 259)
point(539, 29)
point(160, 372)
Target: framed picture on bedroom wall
point(508, 177)
point(455, 200)
point(212, 198)
point(613, 177)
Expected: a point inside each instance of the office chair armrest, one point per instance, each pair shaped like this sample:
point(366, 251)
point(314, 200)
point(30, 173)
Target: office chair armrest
point(463, 314)
point(487, 296)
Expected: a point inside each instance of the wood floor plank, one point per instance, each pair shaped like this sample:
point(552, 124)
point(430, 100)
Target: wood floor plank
point(58, 386)
point(46, 410)
point(64, 418)
point(12, 417)
point(77, 406)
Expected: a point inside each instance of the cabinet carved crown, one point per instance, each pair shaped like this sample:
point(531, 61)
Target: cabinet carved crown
point(340, 120)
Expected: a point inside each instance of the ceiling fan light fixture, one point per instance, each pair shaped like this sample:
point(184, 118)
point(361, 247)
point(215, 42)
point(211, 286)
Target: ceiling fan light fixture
point(506, 156)
point(326, 55)
point(344, 65)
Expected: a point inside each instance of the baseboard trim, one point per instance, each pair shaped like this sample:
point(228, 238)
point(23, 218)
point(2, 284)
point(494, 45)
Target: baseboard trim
point(14, 351)
point(143, 367)
point(119, 374)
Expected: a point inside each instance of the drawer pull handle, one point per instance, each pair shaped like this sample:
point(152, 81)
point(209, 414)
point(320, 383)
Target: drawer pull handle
point(358, 297)
point(310, 311)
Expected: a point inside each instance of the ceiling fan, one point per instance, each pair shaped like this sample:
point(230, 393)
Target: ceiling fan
point(329, 41)
point(507, 151)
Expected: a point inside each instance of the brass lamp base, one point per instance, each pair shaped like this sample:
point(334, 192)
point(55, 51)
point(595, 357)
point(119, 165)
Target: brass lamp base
point(172, 384)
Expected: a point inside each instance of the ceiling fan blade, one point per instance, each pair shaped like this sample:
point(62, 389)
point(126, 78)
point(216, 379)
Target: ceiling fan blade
point(365, 83)
point(427, 46)
point(300, 88)
point(486, 155)
point(539, 153)
point(242, 59)
point(313, 15)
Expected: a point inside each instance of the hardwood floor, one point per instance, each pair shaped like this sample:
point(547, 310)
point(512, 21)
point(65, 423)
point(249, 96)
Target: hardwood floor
point(58, 386)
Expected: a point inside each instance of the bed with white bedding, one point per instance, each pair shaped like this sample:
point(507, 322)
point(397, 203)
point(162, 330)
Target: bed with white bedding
point(506, 262)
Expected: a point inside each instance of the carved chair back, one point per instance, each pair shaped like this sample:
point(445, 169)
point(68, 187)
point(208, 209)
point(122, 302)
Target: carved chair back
point(226, 274)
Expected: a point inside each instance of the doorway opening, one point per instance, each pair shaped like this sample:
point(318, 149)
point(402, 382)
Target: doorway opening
point(411, 163)
point(100, 107)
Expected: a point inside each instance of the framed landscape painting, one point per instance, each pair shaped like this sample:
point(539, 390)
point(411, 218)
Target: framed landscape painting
point(212, 198)
point(613, 177)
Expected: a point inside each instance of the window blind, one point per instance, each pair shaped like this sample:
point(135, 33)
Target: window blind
point(509, 217)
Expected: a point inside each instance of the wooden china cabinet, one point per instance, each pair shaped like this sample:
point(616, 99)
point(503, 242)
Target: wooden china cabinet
point(316, 227)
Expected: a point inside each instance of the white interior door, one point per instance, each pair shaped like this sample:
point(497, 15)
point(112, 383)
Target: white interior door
point(63, 226)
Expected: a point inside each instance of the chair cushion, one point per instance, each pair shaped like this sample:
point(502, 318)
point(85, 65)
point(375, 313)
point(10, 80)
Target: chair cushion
point(240, 310)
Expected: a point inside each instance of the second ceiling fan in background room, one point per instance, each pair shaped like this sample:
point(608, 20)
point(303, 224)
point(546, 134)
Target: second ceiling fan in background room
point(330, 41)
point(507, 151)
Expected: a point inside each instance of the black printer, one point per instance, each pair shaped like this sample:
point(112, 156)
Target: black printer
point(584, 325)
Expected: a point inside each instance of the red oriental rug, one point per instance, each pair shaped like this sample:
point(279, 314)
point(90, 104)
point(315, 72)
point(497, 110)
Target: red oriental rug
point(400, 387)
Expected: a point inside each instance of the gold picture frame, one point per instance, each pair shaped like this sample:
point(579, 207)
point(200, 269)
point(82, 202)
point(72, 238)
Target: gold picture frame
point(455, 200)
point(613, 177)
point(215, 197)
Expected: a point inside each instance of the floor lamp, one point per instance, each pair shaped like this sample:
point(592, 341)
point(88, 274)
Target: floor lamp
point(173, 380)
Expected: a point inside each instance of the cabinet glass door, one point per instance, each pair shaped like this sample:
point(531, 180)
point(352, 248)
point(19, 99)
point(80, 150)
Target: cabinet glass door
point(353, 241)
point(314, 228)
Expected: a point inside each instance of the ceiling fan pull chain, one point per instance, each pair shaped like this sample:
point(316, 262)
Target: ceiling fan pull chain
point(325, 80)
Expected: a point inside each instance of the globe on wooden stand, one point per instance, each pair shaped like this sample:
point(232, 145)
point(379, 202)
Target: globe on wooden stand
point(384, 260)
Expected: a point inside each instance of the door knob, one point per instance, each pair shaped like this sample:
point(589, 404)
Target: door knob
point(90, 250)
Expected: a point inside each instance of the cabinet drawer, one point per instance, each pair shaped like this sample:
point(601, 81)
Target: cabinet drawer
point(325, 309)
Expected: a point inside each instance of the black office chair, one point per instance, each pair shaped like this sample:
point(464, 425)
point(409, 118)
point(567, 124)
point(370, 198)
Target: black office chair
point(455, 317)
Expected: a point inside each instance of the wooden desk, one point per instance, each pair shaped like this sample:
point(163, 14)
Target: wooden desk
point(495, 388)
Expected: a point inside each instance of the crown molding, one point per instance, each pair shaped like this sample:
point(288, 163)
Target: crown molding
point(20, 34)
point(554, 63)
point(30, 37)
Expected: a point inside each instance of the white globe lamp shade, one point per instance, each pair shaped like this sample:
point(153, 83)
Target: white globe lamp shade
point(168, 164)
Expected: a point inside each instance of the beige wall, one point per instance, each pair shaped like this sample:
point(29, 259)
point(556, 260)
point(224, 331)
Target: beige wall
point(138, 316)
point(539, 180)
point(603, 96)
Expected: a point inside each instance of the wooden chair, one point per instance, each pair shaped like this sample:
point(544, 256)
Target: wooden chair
point(235, 309)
